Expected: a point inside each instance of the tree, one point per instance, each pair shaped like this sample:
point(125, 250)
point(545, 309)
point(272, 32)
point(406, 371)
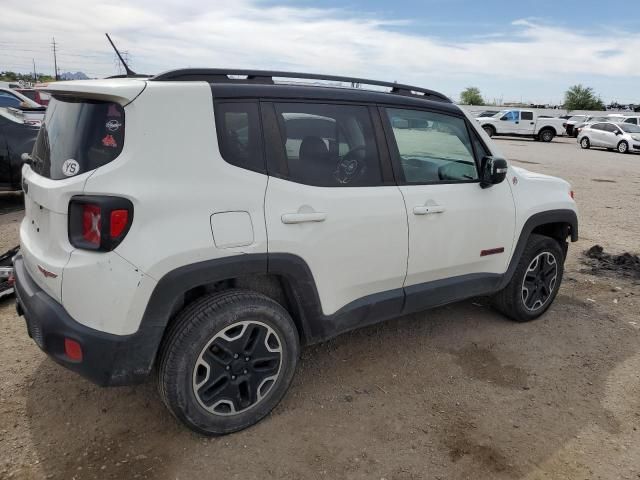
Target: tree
point(579, 97)
point(471, 96)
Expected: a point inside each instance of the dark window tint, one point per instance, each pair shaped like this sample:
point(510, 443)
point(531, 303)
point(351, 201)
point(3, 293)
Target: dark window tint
point(29, 94)
point(632, 120)
point(78, 135)
point(610, 128)
point(329, 145)
point(478, 146)
point(438, 152)
point(8, 100)
point(239, 136)
point(526, 115)
point(597, 126)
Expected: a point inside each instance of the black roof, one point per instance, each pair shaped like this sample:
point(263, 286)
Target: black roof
point(314, 92)
point(226, 83)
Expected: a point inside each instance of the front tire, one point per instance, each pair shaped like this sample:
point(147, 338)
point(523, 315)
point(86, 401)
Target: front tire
point(584, 143)
point(536, 281)
point(623, 147)
point(227, 361)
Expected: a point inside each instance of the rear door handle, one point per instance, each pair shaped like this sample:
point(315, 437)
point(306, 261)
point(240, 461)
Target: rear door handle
point(289, 218)
point(427, 209)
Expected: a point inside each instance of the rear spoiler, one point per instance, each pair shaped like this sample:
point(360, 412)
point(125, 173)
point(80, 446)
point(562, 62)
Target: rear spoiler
point(122, 91)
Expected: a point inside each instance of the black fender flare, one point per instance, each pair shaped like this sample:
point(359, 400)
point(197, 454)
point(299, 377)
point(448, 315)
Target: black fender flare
point(566, 216)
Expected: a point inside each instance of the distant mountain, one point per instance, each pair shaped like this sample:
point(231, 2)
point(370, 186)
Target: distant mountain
point(73, 76)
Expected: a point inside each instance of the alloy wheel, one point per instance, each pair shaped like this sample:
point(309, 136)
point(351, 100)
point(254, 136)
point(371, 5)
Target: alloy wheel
point(539, 281)
point(237, 368)
point(622, 147)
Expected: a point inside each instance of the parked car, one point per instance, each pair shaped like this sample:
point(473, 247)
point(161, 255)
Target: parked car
point(635, 120)
point(572, 122)
point(522, 123)
point(623, 137)
point(311, 211)
point(12, 98)
point(38, 96)
point(596, 119)
point(487, 113)
point(17, 136)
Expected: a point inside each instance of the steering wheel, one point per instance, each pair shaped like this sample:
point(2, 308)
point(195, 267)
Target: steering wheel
point(349, 167)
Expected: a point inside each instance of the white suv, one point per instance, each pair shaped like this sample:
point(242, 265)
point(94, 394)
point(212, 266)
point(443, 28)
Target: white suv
point(204, 224)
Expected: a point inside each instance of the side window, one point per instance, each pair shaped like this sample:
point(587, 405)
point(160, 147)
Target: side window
point(632, 120)
point(610, 128)
point(8, 100)
point(526, 115)
point(511, 116)
point(438, 150)
point(329, 145)
point(239, 135)
point(597, 126)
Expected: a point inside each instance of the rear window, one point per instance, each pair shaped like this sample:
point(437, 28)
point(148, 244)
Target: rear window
point(77, 136)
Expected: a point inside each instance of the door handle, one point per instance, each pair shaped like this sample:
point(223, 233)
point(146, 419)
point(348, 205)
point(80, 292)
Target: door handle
point(532, 123)
point(427, 209)
point(290, 218)
point(517, 122)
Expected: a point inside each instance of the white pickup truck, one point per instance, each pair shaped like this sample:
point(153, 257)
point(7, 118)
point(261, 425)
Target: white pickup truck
point(523, 123)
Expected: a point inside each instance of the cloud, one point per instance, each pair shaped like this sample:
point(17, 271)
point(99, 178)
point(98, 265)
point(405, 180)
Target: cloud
point(165, 34)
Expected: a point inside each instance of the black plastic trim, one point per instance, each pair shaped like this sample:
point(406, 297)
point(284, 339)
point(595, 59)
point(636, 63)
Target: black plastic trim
point(107, 359)
point(107, 204)
point(565, 216)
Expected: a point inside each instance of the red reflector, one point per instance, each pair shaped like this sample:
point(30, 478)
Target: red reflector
point(73, 350)
point(572, 194)
point(91, 223)
point(119, 220)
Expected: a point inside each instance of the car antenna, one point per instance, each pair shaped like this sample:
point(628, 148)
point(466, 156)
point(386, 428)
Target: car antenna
point(130, 73)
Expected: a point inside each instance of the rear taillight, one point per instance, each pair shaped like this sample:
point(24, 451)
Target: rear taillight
point(99, 222)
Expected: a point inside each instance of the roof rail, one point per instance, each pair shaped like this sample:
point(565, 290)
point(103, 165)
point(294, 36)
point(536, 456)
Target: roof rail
point(221, 75)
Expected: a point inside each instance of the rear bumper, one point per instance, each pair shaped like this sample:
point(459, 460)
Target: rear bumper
point(106, 359)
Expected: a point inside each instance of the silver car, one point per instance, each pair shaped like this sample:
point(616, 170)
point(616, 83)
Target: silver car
point(623, 137)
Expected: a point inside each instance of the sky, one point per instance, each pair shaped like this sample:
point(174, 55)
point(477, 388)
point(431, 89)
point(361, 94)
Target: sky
point(523, 50)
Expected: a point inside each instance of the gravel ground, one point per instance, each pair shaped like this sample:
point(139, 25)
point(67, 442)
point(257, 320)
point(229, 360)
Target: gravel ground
point(456, 392)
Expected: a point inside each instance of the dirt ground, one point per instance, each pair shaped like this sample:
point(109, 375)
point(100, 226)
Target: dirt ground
point(457, 392)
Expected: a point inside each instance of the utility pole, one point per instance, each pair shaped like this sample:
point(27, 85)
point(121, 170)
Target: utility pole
point(35, 75)
point(55, 60)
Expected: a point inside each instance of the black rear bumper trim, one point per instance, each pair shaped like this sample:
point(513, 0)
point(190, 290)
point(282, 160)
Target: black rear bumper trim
point(107, 359)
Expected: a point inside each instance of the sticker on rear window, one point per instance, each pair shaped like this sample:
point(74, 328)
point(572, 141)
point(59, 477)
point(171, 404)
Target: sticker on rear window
point(70, 167)
point(109, 141)
point(113, 125)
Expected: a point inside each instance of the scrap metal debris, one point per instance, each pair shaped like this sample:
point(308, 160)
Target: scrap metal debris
point(625, 264)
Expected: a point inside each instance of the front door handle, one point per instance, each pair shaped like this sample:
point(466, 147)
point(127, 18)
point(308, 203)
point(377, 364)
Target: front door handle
point(289, 218)
point(427, 209)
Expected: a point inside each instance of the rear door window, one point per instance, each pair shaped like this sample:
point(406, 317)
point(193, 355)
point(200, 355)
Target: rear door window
point(77, 136)
point(329, 145)
point(526, 115)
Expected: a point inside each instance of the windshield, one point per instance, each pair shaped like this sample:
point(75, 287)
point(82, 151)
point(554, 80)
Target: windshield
point(78, 135)
point(630, 127)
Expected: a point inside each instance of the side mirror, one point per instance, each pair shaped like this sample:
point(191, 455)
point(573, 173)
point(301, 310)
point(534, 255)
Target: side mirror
point(492, 171)
point(618, 132)
point(504, 118)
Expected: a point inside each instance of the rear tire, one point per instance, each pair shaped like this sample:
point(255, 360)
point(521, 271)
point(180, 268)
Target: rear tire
point(623, 147)
point(536, 281)
point(490, 130)
point(584, 143)
point(546, 135)
point(227, 361)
